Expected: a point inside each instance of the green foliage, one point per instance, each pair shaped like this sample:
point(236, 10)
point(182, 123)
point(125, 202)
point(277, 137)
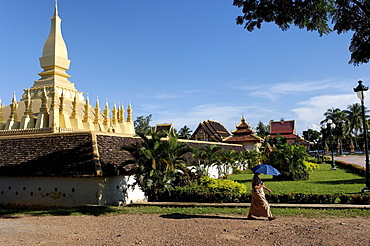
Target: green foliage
point(288, 159)
point(314, 15)
point(311, 135)
point(160, 163)
point(204, 157)
point(262, 130)
point(253, 158)
point(310, 166)
point(184, 133)
point(142, 125)
point(221, 185)
point(302, 198)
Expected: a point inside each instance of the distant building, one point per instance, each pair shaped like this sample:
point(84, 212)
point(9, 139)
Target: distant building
point(286, 129)
point(210, 131)
point(246, 136)
point(163, 127)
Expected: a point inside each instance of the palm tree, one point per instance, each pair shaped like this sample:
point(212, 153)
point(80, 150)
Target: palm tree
point(341, 121)
point(354, 115)
point(185, 132)
point(159, 161)
point(205, 157)
point(142, 125)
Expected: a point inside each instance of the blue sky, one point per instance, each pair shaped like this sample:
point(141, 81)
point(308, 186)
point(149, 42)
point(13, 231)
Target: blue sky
point(182, 61)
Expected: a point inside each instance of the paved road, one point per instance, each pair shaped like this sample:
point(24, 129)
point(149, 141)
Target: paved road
point(353, 159)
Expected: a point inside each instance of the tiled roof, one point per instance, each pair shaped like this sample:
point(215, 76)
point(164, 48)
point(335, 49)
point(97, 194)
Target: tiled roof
point(61, 155)
point(282, 127)
point(163, 127)
point(215, 131)
point(243, 138)
point(243, 134)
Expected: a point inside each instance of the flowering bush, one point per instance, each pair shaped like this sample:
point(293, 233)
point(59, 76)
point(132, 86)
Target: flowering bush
point(310, 166)
point(222, 185)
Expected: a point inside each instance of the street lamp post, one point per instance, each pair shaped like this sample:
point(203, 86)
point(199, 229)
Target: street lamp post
point(361, 94)
point(331, 127)
point(323, 127)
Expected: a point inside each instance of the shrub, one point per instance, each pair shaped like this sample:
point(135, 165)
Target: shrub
point(222, 185)
point(310, 166)
point(288, 159)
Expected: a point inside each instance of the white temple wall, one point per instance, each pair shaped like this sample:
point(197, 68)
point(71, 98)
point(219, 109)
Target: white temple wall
point(67, 192)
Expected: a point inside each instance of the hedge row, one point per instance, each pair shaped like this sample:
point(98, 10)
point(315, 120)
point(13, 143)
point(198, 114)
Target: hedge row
point(193, 195)
point(353, 168)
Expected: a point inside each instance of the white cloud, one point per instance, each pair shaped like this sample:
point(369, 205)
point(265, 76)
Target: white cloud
point(274, 91)
point(312, 111)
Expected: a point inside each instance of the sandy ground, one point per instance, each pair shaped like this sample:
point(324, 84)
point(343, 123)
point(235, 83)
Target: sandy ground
point(177, 229)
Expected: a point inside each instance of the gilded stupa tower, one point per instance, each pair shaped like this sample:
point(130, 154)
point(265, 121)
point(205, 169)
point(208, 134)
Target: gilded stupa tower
point(54, 58)
point(53, 104)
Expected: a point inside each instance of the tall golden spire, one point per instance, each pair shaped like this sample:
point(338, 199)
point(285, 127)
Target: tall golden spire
point(54, 58)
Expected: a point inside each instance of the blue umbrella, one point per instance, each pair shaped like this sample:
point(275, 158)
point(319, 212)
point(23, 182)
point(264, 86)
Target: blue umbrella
point(266, 169)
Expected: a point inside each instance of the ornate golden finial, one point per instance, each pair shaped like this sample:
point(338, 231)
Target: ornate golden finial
point(56, 8)
point(97, 111)
point(114, 114)
point(74, 107)
point(121, 114)
point(243, 119)
point(97, 102)
point(129, 113)
point(87, 109)
point(106, 113)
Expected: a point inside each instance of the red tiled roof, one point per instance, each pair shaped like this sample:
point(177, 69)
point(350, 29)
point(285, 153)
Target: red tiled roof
point(282, 127)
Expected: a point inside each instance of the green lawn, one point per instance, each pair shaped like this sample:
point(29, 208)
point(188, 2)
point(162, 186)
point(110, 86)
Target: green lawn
point(101, 211)
point(321, 181)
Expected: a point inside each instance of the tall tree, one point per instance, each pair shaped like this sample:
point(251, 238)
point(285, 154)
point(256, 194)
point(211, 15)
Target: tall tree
point(184, 133)
point(262, 130)
point(314, 15)
point(311, 135)
point(354, 116)
point(341, 124)
point(142, 125)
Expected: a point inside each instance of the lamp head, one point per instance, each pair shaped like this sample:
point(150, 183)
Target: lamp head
point(361, 90)
point(332, 126)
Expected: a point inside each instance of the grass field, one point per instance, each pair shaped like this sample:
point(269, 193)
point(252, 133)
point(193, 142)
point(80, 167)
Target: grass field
point(321, 181)
point(106, 210)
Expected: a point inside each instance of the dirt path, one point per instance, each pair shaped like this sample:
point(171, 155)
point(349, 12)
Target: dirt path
point(181, 230)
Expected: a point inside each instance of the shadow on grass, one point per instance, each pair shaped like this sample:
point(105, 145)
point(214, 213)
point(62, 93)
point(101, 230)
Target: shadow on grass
point(82, 210)
point(192, 216)
point(345, 181)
